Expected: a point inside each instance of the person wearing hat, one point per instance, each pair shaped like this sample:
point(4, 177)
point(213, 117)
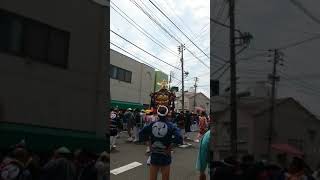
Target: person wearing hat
point(60, 167)
point(129, 118)
point(160, 134)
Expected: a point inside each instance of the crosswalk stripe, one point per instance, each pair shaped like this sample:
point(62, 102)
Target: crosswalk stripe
point(125, 168)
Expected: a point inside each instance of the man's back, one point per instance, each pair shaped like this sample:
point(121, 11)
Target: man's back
point(160, 134)
point(58, 169)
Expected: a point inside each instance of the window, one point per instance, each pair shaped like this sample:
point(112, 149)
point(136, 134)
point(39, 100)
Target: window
point(58, 48)
point(113, 72)
point(28, 38)
point(128, 76)
point(36, 41)
point(120, 74)
point(10, 33)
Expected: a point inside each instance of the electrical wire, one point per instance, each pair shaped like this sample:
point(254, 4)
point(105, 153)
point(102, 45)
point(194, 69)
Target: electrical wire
point(158, 19)
point(305, 11)
point(133, 55)
point(200, 34)
point(143, 50)
point(178, 28)
point(155, 21)
point(143, 31)
point(224, 71)
point(180, 42)
point(139, 58)
point(295, 44)
point(183, 22)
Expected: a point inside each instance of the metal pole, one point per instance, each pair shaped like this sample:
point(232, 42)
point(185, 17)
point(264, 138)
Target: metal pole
point(272, 110)
point(233, 98)
point(182, 71)
point(195, 94)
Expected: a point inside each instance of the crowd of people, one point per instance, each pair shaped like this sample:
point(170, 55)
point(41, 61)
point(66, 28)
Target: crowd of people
point(132, 121)
point(20, 163)
point(161, 131)
point(249, 169)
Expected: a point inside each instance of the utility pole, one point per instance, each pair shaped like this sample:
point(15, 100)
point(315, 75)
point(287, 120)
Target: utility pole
point(195, 94)
point(274, 78)
point(180, 49)
point(233, 86)
point(170, 80)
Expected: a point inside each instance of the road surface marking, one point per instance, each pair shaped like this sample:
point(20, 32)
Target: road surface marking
point(185, 145)
point(125, 168)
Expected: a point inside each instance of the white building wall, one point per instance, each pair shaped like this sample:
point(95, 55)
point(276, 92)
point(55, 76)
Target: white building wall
point(201, 100)
point(46, 95)
point(142, 81)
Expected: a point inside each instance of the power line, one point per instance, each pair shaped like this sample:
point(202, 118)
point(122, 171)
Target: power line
point(305, 11)
point(301, 82)
point(219, 15)
point(202, 30)
point(219, 69)
point(133, 55)
point(301, 89)
point(223, 25)
point(158, 19)
point(218, 18)
point(197, 76)
point(139, 58)
point(294, 44)
point(183, 22)
point(143, 31)
point(156, 22)
point(224, 71)
point(143, 50)
point(178, 28)
point(253, 56)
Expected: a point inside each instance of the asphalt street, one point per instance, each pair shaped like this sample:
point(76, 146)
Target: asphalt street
point(183, 166)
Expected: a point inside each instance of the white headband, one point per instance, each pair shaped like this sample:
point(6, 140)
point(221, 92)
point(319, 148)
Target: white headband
point(164, 113)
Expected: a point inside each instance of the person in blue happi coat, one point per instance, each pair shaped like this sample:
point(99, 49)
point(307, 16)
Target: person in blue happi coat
point(162, 134)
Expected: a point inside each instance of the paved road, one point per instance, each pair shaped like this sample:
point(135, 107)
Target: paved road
point(182, 168)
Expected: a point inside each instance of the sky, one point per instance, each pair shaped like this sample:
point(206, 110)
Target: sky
point(192, 17)
point(274, 24)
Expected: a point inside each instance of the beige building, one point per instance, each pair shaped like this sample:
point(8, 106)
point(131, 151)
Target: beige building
point(131, 82)
point(189, 104)
point(53, 66)
point(293, 125)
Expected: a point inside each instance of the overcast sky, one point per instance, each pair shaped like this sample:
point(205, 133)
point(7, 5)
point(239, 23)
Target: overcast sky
point(273, 24)
point(191, 16)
